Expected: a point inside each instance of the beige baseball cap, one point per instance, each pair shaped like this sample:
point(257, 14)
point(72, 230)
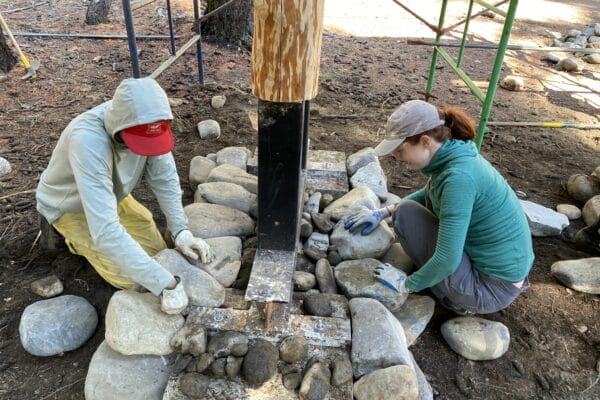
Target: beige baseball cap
point(410, 119)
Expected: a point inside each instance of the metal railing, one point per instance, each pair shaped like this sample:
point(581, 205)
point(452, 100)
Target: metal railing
point(196, 39)
point(486, 98)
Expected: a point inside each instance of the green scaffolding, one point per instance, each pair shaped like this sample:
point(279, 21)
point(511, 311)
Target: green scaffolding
point(488, 98)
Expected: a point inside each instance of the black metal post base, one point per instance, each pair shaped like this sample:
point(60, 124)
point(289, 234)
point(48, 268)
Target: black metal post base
point(280, 148)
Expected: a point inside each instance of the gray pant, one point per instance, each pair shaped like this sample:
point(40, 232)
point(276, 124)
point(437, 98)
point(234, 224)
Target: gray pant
point(465, 291)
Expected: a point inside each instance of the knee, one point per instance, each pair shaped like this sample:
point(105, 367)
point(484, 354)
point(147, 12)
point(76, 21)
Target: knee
point(403, 213)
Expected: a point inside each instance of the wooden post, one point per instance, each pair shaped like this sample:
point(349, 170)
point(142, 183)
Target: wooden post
point(286, 51)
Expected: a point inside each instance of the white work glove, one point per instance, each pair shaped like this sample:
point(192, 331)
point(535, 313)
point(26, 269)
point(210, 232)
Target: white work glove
point(193, 247)
point(391, 277)
point(365, 221)
point(174, 301)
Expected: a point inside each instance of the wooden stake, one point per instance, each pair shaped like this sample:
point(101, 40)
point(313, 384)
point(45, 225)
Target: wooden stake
point(286, 49)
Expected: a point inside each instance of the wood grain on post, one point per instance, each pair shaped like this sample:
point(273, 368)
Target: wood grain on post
point(286, 49)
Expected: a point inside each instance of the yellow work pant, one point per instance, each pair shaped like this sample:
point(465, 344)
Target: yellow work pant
point(137, 221)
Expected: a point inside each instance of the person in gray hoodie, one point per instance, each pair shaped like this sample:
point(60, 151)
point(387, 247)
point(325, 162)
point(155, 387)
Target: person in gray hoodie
point(85, 192)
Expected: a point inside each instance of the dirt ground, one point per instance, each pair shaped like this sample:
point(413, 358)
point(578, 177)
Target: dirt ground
point(555, 332)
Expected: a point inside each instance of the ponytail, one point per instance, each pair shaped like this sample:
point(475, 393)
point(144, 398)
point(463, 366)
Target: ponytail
point(460, 124)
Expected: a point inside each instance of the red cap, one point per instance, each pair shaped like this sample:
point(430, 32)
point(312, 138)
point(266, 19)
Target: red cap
point(153, 139)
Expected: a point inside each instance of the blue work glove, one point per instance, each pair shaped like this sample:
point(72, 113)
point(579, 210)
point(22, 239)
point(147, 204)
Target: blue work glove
point(365, 221)
point(391, 277)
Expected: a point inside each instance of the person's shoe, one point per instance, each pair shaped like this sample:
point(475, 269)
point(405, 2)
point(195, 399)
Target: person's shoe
point(446, 303)
point(50, 239)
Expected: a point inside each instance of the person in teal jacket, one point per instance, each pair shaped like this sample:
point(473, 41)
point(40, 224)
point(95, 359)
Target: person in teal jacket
point(465, 230)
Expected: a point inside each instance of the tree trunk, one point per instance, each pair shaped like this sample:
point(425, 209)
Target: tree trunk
point(7, 58)
point(97, 12)
point(232, 25)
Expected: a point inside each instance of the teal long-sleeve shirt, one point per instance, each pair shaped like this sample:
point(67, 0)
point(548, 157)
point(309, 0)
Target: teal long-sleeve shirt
point(478, 213)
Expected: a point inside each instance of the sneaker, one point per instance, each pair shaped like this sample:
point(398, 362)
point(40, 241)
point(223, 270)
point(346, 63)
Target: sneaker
point(50, 239)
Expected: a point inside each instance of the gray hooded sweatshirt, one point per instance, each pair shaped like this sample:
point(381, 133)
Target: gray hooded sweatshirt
point(90, 172)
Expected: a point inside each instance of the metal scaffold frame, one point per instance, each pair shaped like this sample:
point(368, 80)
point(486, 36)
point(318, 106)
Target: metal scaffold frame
point(196, 39)
point(488, 98)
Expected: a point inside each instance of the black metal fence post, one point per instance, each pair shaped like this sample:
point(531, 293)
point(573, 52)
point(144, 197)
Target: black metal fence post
point(135, 65)
point(198, 43)
point(171, 36)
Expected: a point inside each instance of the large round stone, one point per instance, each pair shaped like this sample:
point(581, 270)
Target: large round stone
point(293, 348)
point(398, 382)
point(476, 338)
point(114, 376)
point(236, 156)
point(218, 101)
point(360, 196)
point(378, 339)
point(373, 177)
point(200, 168)
point(352, 246)
point(316, 382)
point(203, 289)
point(227, 194)
point(360, 159)
point(591, 211)
point(209, 129)
point(341, 370)
point(414, 316)
point(135, 324)
point(53, 326)
point(356, 278)
point(201, 387)
point(260, 363)
point(583, 187)
point(232, 174)
point(317, 304)
point(228, 343)
point(226, 263)
point(572, 212)
point(582, 275)
point(5, 167)
point(213, 220)
point(570, 65)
